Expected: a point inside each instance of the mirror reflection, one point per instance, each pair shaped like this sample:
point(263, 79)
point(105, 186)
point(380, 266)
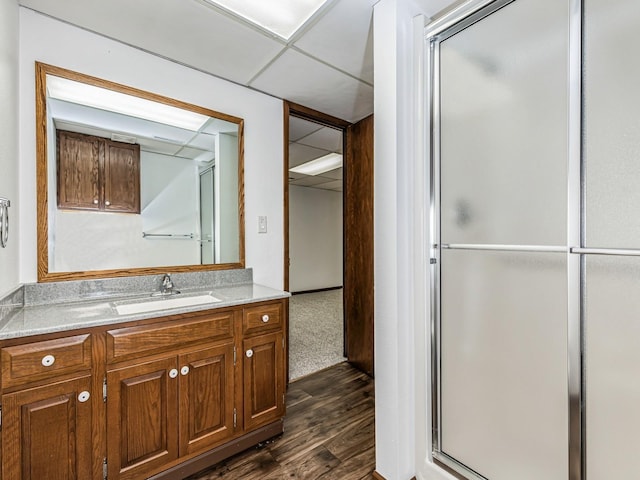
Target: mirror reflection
point(137, 181)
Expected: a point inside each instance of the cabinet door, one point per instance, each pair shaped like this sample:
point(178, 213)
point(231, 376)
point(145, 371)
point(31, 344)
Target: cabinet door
point(206, 398)
point(78, 171)
point(47, 432)
point(122, 177)
point(141, 418)
point(263, 379)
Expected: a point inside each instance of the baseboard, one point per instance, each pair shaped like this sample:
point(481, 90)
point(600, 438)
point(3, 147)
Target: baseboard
point(377, 476)
point(317, 290)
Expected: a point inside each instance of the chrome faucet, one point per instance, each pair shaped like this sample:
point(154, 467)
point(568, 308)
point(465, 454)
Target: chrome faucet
point(167, 287)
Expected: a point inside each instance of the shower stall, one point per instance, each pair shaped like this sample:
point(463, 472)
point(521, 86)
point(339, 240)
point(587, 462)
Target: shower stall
point(535, 238)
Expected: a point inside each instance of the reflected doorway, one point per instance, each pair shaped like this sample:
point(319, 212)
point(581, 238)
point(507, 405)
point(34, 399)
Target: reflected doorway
point(207, 212)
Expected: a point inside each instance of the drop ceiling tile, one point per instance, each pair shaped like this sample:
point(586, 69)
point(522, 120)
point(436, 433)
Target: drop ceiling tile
point(192, 153)
point(334, 174)
point(298, 78)
point(203, 141)
point(188, 32)
point(299, 154)
point(335, 184)
point(347, 23)
point(326, 138)
point(308, 181)
point(158, 146)
point(299, 128)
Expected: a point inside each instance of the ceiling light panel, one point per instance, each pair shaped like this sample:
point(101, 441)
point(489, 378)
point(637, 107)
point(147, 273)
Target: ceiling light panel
point(319, 165)
point(110, 100)
point(281, 17)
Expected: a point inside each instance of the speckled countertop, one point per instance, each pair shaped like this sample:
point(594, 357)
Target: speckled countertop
point(38, 317)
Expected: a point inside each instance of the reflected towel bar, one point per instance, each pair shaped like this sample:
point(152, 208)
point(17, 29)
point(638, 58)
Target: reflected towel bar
point(168, 235)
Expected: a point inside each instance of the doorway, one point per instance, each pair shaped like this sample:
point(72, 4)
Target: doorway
point(315, 247)
point(351, 192)
point(207, 211)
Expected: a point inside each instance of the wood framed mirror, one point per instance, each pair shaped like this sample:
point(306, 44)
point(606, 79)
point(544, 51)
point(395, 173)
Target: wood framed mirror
point(133, 183)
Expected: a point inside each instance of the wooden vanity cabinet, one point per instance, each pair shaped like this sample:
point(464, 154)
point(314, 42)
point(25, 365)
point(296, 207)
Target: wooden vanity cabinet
point(178, 394)
point(97, 174)
point(168, 408)
point(47, 432)
point(263, 364)
point(159, 409)
point(47, 410)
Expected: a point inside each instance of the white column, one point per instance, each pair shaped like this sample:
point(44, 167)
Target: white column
point(9, 265)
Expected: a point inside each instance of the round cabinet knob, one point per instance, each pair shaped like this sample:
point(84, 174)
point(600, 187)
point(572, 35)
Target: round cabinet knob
point(173, 373)
point(95, 201)
point(107, 203)
point(83, 396)
point(265, 318)
point(48, 360)
point(184, 370)
point(249, 353)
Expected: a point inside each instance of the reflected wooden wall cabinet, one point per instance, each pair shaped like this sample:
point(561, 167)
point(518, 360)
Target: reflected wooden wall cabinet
point(97, 174)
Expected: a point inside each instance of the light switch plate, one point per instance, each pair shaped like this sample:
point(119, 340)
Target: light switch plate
point(262, 224)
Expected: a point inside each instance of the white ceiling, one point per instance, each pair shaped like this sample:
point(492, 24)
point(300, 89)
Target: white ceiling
point(308, 141)
point(327, 65)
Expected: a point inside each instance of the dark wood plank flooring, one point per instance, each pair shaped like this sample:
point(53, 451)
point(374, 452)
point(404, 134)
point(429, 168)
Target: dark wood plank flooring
point(329, 433)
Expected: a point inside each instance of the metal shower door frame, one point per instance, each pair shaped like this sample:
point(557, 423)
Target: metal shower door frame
point(444, 26)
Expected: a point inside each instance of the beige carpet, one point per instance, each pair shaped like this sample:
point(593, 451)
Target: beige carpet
point(316, 332)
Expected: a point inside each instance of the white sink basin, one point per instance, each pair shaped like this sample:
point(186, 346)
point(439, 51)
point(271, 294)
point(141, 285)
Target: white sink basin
point(148, 305)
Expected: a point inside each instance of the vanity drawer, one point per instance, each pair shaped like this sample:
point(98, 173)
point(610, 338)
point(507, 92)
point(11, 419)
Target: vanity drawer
point(39, 360)
point(262, 318)
point(131, 342)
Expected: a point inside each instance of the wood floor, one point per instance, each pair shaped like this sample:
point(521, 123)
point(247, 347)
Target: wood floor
point(329, 433)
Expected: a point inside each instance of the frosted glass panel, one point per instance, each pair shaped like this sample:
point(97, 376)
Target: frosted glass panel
point(504, 363)
point(504, 127)
point(612, 337)
point(612, 125)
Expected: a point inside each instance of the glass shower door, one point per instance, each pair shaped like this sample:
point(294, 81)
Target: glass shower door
point(501, 134)
point(611, 243)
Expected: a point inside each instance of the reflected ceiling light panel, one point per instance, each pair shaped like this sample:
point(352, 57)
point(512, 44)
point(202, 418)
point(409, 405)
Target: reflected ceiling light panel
point(109, 100)
point(319, 165)
point(281, 17)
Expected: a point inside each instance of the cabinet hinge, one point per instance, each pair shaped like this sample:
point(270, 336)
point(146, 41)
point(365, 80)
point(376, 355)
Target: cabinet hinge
point(283, 343)
point(235, 356)
point(433, 261)
point(235, 418)
point(104, 389)
point(0, 417)
point(104, 469)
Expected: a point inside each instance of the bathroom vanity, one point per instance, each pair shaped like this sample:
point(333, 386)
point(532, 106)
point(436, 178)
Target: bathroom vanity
point(99, 378)
point(89, 393)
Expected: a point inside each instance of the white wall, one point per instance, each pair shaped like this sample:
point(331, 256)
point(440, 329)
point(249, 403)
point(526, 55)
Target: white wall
point(76, 49)
point(226, 217)
point(9, 266)
point(315, 238)
point(85, 240)
point(403, 425)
